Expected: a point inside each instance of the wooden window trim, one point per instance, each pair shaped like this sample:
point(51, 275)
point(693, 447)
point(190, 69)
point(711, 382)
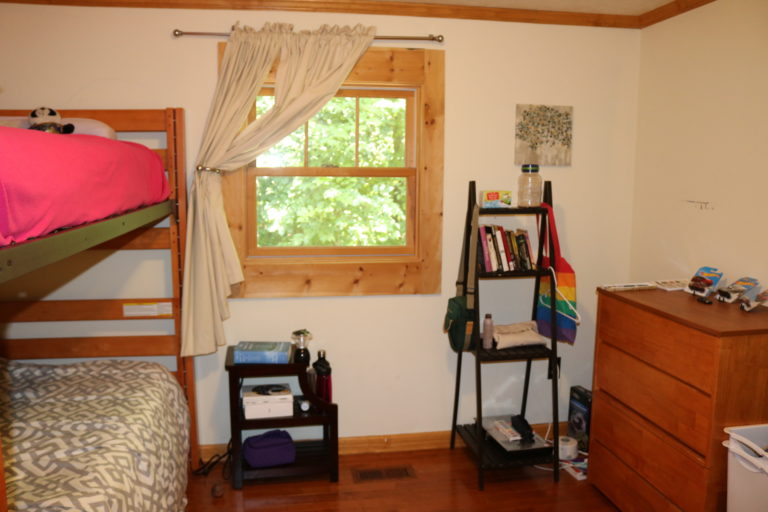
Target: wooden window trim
point(383, 274)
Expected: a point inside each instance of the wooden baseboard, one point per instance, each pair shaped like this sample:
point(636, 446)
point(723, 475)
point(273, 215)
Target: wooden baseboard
point(396, 442)
point(389, 443)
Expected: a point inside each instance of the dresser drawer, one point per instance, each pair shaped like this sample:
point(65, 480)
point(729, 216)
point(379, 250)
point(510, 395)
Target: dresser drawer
point(677, 408)
point(690, 355)
point(655, 457)
point(622, 485)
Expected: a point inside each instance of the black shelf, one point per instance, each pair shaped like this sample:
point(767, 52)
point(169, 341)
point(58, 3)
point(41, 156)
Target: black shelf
point(512, 274)
point(487, 452)
point(320, 456)
point(312, 457)
point(522, 353)
point(496, 457)
point(526, 210)
point(299, 418)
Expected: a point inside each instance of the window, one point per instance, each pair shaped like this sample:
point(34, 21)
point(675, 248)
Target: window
point(351, 202)
point(359, 149)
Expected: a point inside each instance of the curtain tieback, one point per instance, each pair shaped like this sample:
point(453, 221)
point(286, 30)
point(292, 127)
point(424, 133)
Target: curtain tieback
point(209, 169)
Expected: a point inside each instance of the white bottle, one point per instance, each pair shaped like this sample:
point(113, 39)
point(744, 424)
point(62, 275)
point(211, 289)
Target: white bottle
point(488, 332)
point(529, 186)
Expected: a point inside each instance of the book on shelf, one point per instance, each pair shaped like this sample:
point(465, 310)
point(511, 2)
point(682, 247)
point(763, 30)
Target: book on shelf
point(486, 255)
point(492, 250)
point(263, 352)
point(498, 233)
point(507, 248)
point(523, 249)
point(529, 250)
point(504, 250)
point(513, 248)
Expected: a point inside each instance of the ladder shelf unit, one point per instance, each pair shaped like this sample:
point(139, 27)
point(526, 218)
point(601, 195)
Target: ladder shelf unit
point(488, 453)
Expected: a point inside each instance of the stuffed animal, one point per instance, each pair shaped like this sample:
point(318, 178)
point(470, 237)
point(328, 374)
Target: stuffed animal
point(46, 119)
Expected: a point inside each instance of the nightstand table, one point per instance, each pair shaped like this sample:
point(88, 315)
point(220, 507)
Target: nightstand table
point(320, 456)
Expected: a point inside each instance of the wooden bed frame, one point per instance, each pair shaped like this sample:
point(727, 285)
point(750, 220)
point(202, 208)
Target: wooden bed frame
point(130, 231)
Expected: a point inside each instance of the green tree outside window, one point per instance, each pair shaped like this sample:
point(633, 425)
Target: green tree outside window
point(337, 211)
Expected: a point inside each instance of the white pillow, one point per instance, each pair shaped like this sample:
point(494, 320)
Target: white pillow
point(90, 127)
point(14, 122)
point(82, 126)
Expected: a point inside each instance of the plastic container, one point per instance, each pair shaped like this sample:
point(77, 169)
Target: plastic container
point(529, 186)
point(488, 332)
point(747, 468)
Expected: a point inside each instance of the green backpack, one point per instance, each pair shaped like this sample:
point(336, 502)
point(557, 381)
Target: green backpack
point(458, 324)
point(458, 321)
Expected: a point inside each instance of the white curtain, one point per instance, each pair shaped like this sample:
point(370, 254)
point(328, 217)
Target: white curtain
point(312, 66)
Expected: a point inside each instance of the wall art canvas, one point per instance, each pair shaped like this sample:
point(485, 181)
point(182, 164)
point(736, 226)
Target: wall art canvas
point(543, 135)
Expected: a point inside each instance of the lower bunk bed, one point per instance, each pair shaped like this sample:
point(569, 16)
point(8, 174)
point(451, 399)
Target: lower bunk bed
point(103, 435)
point(108, 431)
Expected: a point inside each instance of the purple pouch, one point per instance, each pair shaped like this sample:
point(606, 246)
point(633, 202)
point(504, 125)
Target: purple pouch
point(272, 448)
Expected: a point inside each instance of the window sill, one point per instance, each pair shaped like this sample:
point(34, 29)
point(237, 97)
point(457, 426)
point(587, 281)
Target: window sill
point(316, 278)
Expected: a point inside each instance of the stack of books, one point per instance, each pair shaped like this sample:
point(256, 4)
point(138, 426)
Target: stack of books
point(263, 352)
point(505, 250)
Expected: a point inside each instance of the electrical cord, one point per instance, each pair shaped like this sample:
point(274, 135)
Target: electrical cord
point(217, 489)
point(206, 467)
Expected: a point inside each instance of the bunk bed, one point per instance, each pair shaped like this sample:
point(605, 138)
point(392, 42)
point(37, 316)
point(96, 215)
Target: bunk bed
point(114, 381)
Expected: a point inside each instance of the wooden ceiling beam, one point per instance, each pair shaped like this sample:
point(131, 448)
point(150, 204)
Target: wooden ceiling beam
point(670, 10)
point(664, 12)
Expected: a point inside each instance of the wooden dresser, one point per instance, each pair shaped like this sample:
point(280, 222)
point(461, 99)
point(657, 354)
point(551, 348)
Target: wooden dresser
point(670, 373)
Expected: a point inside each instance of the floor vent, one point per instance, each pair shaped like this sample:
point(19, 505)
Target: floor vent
point(391, 473)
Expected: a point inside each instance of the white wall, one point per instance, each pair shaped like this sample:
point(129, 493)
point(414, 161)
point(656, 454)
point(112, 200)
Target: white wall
point(393, 369)
point(702, 137)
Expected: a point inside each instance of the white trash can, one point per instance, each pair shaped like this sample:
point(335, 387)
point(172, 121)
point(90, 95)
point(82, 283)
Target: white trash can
point(747, 468)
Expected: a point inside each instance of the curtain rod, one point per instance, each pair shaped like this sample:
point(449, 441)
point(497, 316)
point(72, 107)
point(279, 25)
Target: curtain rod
point(430, 37)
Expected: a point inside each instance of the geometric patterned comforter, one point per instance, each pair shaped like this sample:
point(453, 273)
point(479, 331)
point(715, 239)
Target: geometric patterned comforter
point(106, 436)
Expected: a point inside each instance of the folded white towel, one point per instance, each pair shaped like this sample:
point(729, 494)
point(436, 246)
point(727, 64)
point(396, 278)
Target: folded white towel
point(521, 333)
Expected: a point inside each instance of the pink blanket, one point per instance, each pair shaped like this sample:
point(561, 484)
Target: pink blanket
point(51, 181)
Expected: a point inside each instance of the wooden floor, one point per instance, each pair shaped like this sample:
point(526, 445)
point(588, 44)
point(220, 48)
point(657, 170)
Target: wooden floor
point(443, 480)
